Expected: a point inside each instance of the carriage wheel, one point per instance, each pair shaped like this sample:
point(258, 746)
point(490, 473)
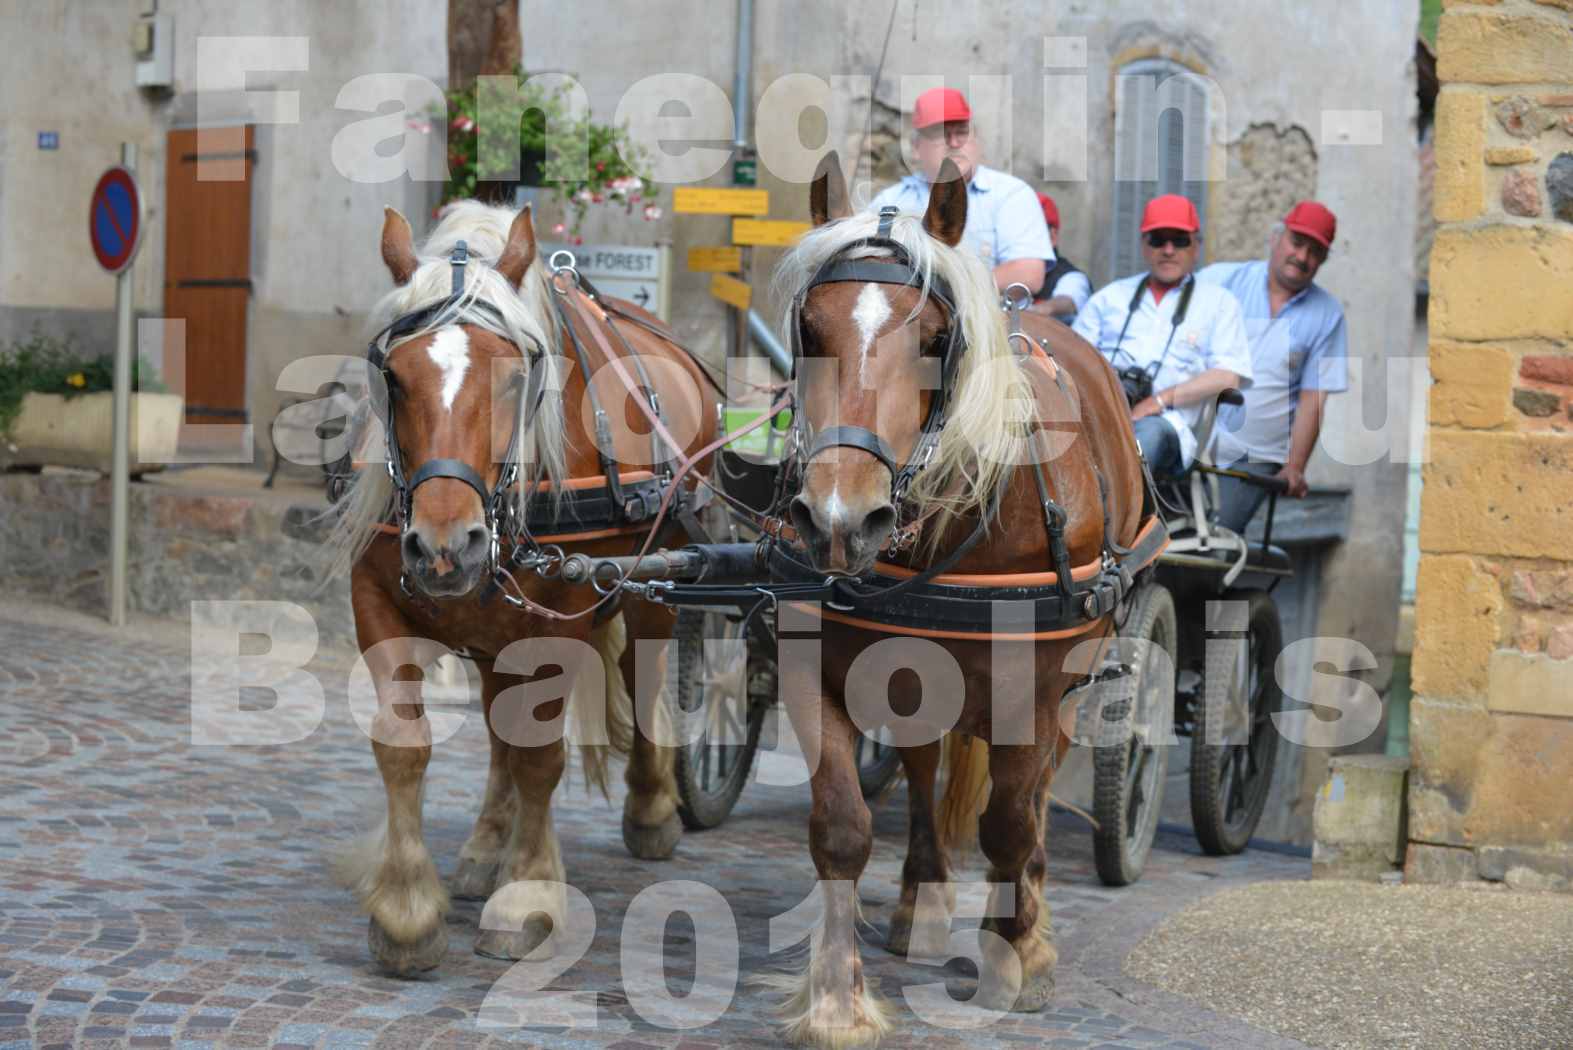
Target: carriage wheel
point(1132, 757)
point(1240, 694)
point(878, 762)
point(725, 686)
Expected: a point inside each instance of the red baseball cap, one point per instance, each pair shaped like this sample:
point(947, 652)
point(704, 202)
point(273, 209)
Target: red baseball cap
point(940, 106)
point(1313, 220)
point(1051, 211)
point(1170, 212)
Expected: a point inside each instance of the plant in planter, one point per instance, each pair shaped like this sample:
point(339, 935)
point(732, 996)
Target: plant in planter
point(607, 179)
point(56, 408)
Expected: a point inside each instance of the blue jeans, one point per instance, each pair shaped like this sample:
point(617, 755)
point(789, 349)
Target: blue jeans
point(1160, 446)
point(1237, 501)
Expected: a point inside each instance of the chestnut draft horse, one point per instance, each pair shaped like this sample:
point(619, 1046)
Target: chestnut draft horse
point(497, 450)
point(894, 484)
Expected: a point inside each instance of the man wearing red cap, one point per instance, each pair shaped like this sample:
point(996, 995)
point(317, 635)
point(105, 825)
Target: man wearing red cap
point(1165, 329)
point(1299, 355)
point(1004, 223)
point(1065, 288)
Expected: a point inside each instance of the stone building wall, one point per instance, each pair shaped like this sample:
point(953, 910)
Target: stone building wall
point(1492, 723)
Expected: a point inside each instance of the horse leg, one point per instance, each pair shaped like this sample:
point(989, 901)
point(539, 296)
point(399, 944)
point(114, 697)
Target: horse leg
point(392, 872)
point(482, 853)
point(529, 902)
point(651, 826)
point(1010, 834)
point(829, 1005)
point(925, 861)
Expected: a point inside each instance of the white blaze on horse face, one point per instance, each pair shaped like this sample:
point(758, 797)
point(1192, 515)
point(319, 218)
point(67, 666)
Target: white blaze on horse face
point(870, 313)
point(450, 351)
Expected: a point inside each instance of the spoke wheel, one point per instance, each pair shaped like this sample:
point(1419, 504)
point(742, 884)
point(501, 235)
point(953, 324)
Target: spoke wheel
point(878, 761)
point(1235, 744)
point(1131, 757)
point(724, 685)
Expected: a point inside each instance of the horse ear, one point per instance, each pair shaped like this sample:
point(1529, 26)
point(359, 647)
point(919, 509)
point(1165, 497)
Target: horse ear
point(946, 217)
point(519, 252)
point(398, 246)
point(827, 197)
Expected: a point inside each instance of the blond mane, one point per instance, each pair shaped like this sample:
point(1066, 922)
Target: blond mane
point(984, 437)
point(526, 319)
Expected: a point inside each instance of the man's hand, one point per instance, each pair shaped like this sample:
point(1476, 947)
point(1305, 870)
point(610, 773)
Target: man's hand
point(1295, 479)
point(1147, 406)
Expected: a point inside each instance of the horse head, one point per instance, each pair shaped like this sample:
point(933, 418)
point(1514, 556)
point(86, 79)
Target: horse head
point(870, 371)
point(454, 406)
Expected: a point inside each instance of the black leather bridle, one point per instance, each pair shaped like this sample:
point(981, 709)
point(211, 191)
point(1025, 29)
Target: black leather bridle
point(899, 269)
point(453, 310)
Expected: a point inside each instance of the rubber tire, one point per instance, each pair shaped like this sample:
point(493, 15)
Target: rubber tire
point(1119, 859)
point(698, 807)
point(875, 776)
point(1214, 832)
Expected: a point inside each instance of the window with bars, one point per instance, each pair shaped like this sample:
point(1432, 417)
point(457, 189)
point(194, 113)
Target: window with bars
point(1160, 146)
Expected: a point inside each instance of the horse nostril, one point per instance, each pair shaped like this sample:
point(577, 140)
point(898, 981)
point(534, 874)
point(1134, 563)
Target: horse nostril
point(803, 521)
point(477, 547)
point(878, 525)
point(415, 547)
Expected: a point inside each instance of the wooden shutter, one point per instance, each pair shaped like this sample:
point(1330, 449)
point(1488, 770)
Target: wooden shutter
point(207, 268)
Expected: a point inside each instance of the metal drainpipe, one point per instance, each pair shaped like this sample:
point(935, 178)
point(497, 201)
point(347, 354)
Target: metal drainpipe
point(742, 81)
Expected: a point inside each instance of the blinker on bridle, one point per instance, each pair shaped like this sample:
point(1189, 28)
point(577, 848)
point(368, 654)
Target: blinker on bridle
point(900, 271)
point(452, 310)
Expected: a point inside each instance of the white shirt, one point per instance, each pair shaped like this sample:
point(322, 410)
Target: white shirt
point(1211, 336)
point(1004, 219)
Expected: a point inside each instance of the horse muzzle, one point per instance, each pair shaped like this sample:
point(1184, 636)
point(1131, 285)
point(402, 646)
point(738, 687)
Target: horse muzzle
point(446, 563)
point(840, 538)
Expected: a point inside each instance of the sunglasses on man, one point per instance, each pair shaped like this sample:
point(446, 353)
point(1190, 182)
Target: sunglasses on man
point(1159, 238)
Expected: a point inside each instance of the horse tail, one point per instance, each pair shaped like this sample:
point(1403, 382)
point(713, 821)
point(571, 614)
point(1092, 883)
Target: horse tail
point(966, 769)
point(603, 719)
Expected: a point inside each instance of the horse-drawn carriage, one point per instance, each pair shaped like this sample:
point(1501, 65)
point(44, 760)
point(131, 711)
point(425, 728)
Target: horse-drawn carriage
point(972, 492)
point(1205, 605)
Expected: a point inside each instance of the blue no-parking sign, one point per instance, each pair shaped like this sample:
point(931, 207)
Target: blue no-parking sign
point(114, 221)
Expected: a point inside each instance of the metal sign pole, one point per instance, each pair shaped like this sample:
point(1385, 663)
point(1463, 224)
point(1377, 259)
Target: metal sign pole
point(120, 473)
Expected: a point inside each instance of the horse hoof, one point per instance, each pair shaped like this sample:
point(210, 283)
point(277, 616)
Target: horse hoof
point(513, 945)
point(1035, 993)
point(474, 880)
point(407, 960)
point(899, 940)
point(652, 843)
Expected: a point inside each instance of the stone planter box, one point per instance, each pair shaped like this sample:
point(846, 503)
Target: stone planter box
point(56, 431)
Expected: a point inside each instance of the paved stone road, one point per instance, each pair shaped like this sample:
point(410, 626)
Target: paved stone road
point(153, 893)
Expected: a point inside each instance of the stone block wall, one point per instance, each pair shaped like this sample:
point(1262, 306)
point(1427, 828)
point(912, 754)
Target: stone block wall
point(1492, 722)
point(185, 545)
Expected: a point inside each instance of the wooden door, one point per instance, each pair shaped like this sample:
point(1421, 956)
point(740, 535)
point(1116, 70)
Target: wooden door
point(207, 267)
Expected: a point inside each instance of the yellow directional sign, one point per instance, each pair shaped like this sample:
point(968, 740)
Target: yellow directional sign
point(717, 200)
point(715, 259)
point(731, 291)
point(769, 233)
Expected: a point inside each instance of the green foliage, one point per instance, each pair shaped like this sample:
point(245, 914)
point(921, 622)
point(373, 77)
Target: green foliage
point(46, 365)
point(1430, 15)
point(605, 177)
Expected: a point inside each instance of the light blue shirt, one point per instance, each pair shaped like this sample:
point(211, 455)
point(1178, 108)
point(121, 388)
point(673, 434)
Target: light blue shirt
point(1074, 286)
point(1211, 336)
point(1004, 220)
point(1305, 347)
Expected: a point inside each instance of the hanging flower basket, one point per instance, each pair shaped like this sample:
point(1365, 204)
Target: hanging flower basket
point(608, 180)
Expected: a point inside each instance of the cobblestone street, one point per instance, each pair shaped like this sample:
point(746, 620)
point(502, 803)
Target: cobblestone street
point(159, 894)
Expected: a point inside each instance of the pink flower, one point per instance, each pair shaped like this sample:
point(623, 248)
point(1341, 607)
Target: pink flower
point(578, 240)
point(558, 230)
point(596, 198)
point(651, 213)
point(601, 166)
point(633, 198)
